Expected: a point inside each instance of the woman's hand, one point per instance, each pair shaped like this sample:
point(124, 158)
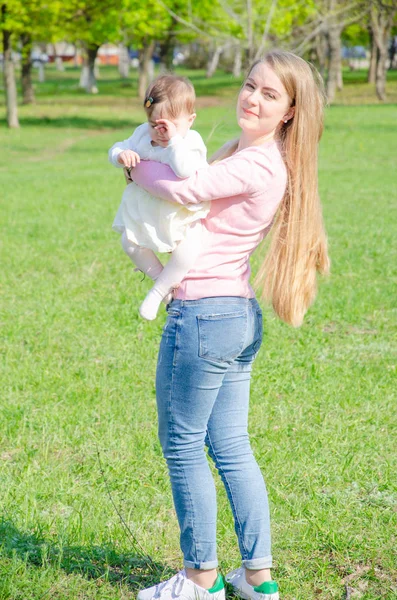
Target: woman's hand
point(128, 158)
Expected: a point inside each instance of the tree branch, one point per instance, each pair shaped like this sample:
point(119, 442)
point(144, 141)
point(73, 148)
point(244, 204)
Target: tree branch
point(267, 28)
point(321, 27)
point(187, 24)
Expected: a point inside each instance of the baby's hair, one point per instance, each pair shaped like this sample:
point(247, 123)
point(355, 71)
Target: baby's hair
point(176, 96)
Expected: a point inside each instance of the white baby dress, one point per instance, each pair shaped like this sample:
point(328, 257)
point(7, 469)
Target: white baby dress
point(151, 222)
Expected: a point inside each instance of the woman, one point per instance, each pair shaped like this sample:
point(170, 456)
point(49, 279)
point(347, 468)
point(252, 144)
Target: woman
point(267, 179)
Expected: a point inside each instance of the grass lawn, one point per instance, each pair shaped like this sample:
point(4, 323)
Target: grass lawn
point(85, 503)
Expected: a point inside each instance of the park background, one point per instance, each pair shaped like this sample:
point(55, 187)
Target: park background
point(85, 503)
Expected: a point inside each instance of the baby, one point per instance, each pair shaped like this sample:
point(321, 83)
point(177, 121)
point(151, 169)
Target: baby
point(149, 224)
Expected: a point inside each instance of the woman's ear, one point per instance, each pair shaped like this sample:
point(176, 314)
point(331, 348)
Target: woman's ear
point(289, 114)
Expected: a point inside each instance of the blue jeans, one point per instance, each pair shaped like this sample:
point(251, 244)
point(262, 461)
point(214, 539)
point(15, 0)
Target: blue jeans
point(202, 388)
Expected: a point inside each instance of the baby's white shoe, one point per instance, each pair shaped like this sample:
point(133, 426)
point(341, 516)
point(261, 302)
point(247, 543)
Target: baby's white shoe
point(151, 304)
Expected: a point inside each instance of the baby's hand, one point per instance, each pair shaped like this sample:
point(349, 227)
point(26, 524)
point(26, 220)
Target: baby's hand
point(128, 158)
point(166, 128)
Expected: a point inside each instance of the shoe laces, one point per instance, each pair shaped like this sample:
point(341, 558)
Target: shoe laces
point(176, 584)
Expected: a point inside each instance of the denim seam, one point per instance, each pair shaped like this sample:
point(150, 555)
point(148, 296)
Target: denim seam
point(171, 421)
point(259, 329)
point(233, 505)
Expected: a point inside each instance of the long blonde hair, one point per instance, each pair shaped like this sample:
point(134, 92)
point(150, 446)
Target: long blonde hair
point(298, 246)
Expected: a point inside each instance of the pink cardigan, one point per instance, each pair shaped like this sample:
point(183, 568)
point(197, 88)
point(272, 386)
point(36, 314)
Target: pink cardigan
point(246, 189)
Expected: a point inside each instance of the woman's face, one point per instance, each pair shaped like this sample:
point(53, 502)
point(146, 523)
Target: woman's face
point(263, 103)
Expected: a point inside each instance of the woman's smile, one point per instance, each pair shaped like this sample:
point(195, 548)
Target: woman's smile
point(249, 112)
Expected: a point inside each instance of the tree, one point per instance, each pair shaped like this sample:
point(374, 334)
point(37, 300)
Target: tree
point(144, 24)
point(382, 17)
point(27, 21)
point(333, 33)
point(245, 28)
point(7, 25)
point(26, 68)
point(356, 34)
point(124, 60)
point(323, 34)
point(176, 31)
point(91, 23)
point(38, 22)
point(374, 57)
point(22, 23)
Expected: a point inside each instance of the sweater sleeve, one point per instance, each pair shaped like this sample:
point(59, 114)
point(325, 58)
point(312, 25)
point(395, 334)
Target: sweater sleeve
point(247, 172)
point(130, 143)
point(186, 155)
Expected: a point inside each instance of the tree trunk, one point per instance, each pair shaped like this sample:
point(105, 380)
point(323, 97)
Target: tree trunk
point(83, 76)
point(339, 83)
point(334, 66)
point(26, 70)
point(237, 63)
point(381, 74)
point(59, 63)
point(9, 77)
point(250, 32)
point(97, 74)
point(41, 72)
point(76, 56)
point(87, 78)
point(392, 52)
point(214, 61)
point(57, 59)
point(321, 45)
point(124, 61)
point(145, 58)
point(150, 70)
point(381, 24)
point(167, 52)
point(373, 60)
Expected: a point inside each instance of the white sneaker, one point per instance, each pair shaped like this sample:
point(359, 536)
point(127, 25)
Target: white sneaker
point(266, 591)
point(181, 587)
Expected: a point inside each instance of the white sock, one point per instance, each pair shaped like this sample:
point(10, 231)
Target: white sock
point(151, 304)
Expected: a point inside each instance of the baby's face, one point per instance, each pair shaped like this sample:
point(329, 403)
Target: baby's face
point(182, 125)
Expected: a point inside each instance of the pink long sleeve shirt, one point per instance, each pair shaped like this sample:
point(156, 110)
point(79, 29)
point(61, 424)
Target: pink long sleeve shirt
point(245, 190)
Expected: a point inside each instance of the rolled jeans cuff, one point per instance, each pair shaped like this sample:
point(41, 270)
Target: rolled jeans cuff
point(204, 566)
point(258, 563)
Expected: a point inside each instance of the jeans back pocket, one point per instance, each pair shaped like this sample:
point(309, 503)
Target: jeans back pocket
point(222, 336)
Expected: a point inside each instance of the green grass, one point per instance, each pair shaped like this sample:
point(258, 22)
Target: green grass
point(77, 408)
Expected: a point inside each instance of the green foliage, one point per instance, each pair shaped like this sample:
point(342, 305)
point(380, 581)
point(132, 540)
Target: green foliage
point(289, 16)
point(355, 35)
point(143, 22)
point(38, 18)
point(91, 22)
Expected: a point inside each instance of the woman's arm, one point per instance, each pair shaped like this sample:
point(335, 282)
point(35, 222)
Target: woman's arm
point(247, 172)
point(186, 155)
